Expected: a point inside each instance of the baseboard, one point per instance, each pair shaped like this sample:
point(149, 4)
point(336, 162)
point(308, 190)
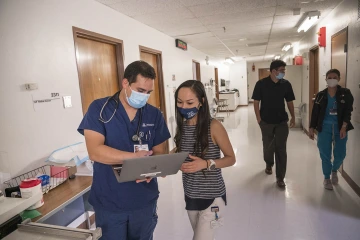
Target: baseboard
point(352, 184)
point(306, 131)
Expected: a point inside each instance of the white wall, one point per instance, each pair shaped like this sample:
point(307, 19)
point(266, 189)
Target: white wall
point(37, 46)
point(238, 80)
point(345, 15)
point(253, 77)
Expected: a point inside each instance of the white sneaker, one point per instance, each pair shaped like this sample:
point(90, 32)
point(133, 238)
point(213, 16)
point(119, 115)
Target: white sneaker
point(328, 185)
point(334, 178)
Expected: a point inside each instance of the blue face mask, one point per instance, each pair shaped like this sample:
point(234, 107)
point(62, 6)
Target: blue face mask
point(188, 113)
point(280, 76)
point(137, 99)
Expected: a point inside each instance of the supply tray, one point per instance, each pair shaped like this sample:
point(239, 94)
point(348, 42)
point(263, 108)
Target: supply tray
point(58, 175)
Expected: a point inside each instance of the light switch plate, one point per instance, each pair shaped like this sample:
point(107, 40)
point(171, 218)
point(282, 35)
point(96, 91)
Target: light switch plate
point(67, 101)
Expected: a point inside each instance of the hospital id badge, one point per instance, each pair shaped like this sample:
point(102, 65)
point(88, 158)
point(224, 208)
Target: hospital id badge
point(333, 112)
point(141, 147)
point(217, 223)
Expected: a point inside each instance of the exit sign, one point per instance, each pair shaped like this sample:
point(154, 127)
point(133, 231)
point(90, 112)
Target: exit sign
point(181, 44)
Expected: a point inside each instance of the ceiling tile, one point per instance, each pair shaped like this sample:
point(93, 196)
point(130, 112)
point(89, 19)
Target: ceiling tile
point(186, 31)
point(287, 18)
point(231, 7)
point(170, 25)
point(141, 7)
point(172, 15)
point(233, 17)
point(189, 3)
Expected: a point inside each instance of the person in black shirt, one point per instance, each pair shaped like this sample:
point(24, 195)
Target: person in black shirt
point(272, 117)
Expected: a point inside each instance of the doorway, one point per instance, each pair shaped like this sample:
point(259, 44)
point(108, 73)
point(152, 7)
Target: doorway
point(100, 65)
point(264, 73)
point(157, 97)
point(217, 83)
point(196, 70)
point(339, 43)
point(313, 77)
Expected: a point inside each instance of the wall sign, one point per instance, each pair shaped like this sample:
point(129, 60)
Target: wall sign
point(46, 102)
point(181, 44)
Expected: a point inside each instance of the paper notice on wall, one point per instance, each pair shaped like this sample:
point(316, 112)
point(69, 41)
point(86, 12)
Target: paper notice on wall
point(46, 102)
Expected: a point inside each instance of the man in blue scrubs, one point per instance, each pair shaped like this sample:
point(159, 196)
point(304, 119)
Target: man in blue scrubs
point(125, 211)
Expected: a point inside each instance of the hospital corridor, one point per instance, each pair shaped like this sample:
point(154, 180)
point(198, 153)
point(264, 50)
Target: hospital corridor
point(257, 209)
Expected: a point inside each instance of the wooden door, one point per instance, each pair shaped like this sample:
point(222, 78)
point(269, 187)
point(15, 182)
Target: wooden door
point(217, 83)
point(339, 54)
point(264, 72)
point(196, 70)
point(313, 78)
point(100, 65)
point(155, 95)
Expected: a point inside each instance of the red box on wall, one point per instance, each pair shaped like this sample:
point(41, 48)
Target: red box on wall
point(298, 60)
point(322, 37)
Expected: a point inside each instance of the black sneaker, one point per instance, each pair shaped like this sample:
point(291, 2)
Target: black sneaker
point(281, 183)
point(268, 170)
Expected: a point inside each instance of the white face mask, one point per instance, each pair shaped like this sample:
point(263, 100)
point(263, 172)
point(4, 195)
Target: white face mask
point(332, 82)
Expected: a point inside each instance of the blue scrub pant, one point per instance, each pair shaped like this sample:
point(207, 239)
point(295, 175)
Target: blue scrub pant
point(128, 225)
point(328, 140)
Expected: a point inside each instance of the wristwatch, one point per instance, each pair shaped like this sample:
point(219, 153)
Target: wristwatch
point(212, 165)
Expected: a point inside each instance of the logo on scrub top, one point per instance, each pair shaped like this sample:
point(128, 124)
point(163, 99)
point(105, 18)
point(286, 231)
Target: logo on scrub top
point(147, 125)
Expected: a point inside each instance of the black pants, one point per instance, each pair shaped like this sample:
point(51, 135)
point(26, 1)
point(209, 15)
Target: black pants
point(274, 138)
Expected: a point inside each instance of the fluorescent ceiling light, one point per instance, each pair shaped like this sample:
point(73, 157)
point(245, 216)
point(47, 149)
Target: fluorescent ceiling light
point(286, 47)
point(229, 60)
point(242, 39)
point(277, 57)
point(309, 21)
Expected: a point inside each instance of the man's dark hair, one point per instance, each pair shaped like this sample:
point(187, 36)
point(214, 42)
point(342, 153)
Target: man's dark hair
point(334, 70)
point(139, 67)
point(276, 64)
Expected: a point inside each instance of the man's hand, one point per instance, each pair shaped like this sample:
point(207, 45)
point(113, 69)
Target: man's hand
point(259, 120)
point(140, 154)
point(343, 133)
point(292, 122)
point(311, 134)
point(144, 180)
point(196, 165)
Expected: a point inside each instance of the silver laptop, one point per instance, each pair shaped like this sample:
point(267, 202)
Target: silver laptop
point(153, 166)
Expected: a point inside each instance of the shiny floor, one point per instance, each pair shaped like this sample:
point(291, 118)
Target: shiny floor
point(257, 209)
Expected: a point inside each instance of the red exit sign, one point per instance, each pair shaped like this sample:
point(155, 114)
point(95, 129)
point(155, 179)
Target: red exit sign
point(181, 44)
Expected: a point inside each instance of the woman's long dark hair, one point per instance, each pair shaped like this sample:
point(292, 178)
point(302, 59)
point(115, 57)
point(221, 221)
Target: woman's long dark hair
point(203, 119)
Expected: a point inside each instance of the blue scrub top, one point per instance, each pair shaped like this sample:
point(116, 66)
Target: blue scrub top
point(331, 105)
point(106, 192)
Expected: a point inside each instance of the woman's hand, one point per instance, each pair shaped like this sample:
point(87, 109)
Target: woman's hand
point(343, 133)
point(196, 165)
point(311, 133)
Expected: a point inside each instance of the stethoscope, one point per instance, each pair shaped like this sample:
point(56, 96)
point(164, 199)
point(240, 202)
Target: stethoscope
point(115, 97)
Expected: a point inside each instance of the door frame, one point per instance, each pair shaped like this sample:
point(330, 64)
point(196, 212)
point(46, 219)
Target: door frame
point(217, 83)
point(346, 29)
point(161, 81)
point(198, 71)
point(312, 74)
point(119, 46)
